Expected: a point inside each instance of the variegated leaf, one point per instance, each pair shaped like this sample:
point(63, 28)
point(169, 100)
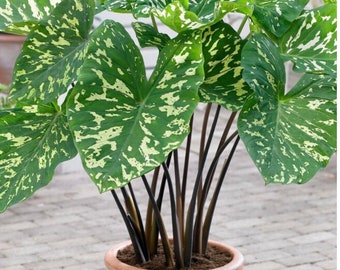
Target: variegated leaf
point(311, 41)
point(52, 53)
point(124, 125)
point(289, 136)
point(198, 14)
point(148, 36)
point(139, 8)
point(33, 141)
point(143, 8)
point(223, 82)
point(276, 16)
point(20, 16)
point(123, 6)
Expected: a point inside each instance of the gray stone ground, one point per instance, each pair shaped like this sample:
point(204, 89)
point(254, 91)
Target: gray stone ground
point(68, 225)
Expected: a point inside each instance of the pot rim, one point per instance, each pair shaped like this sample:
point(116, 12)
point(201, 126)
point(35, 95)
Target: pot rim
point(235, 264)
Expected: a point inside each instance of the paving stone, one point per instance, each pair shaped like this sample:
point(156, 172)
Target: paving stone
point(265, 266)
point(302, 249)
point(327, 264)
point(266, 256)
point(62, 253)
point(305, 259)
point(27, 250)
point(265, 245)
point(73, 242)
point(316, 227)
point(15, 267)
point(18, 260)
point(86, 266)
point(313, 237)
point(16, 226)
point(305, 267)
point(53, 264)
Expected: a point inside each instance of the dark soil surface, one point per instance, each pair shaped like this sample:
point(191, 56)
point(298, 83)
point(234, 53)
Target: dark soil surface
point(213, 258)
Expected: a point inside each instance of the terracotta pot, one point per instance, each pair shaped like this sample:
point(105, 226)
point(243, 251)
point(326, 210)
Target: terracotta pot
point(10, 47)
point(112, 263)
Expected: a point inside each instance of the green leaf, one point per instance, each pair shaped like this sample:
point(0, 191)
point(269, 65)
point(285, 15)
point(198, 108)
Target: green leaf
point(122, 6)
point(198, 15)
point(289, 136)
point(223, 82)
point(148, 36)
point(20, 16)
point(311, 42)
point(52, 53)
point(33, 141)
point(276, 16)
point(124, 125)
point(139, 8)
point(143, 8)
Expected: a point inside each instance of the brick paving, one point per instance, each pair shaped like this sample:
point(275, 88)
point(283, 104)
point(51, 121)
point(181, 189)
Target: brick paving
point(69, 225)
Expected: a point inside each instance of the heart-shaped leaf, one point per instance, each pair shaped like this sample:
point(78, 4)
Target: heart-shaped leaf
point(223, 82)
point(52, 53)
point(148, 36)
point(139, 8)
point(289, 136)
point(20, 16)
point(276, 16)
point(33, 141)
point(123, 6)
point(124, 125)
point(311, 41)
point(180, 17)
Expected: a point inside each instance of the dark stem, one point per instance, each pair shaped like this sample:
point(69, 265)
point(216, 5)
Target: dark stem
point(179, 203)
point(188, 247)
point(150, 222)
point(186, 166)
point(175, 226)
point(213, 202)
point(140, 222)
point(134, 240)
point(198, 230)
point(164, 236)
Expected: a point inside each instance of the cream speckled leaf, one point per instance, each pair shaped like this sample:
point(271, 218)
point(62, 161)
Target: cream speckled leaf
point(143, 8)
point(52, 53)
point(33, 141)
point(20, 16)
point(123, 6)
point(289, 136)
point(148, 36)
point(197, 14)
point(276, 16)
point(311, 41)
point(139, 8)
point(223, 82)
point(125, 125)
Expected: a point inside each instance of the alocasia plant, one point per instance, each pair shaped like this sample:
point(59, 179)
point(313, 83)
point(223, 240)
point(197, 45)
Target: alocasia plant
point(124, 124)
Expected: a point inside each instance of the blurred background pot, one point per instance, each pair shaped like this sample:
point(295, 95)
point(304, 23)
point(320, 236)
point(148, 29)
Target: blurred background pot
point(10, 47)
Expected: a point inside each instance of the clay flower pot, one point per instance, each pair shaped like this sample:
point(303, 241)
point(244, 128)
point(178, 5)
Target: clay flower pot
point(10, 48)
point(112, 263)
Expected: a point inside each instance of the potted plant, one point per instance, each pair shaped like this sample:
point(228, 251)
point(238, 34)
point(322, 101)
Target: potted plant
point(80, 91)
